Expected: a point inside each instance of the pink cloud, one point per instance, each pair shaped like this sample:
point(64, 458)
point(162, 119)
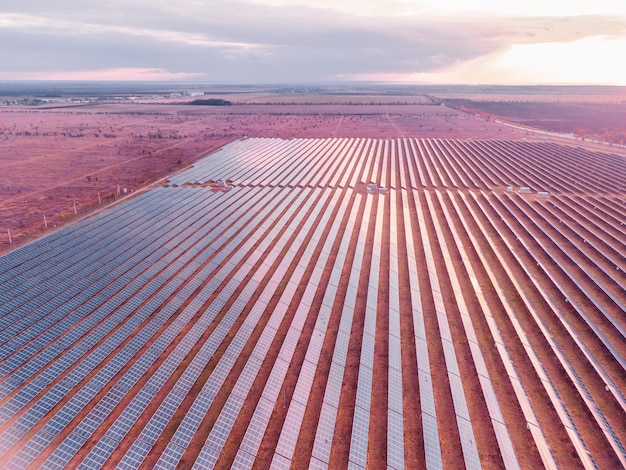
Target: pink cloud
point(112, 74)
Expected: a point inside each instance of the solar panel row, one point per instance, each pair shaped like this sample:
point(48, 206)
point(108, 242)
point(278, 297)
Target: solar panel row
point(429, 421)
point(207, 351)
point(120, 318)
point(293, 421)
point(215, 286)
point(326, 427)
point(612, 438)
point(395, 442)
point(566, 268)
point(504, 441)
point(466, 435)
point(550, 389)
point(520, 392)
point(288, 344)
point(360, 426)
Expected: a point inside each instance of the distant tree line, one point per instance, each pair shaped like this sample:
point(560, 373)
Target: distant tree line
point(211, 102)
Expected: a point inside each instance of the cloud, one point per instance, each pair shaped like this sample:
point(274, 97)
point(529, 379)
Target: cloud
point(73, 28)
point(254, 41)
point(526, 8)
point(523, 64)
point(119, 74)
point(591, 60)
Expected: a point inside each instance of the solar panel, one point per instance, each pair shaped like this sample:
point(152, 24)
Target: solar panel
point(395, 390)
point(291, 429)
point(468, 443)
point(160, 260)
point(367, 349)
point(281, 463)
point(395, 440)
point(395, 358)
point(316, 464)
point(325, 430)
point(359, 437)
point(256, 428)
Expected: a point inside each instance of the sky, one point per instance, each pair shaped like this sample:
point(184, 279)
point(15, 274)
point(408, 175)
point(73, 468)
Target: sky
point(316, 41)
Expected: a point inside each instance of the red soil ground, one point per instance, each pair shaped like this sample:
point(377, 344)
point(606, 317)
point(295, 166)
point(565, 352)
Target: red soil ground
point(53, 158)
point(603, 121)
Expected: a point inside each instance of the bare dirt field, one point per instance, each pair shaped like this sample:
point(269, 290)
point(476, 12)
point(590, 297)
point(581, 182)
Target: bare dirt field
point(55, 157)
point(591, 113)
point(605, 121)
point(535, 94)
point(63, 158)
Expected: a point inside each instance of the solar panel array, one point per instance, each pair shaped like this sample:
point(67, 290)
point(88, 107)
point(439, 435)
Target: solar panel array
point(300, 320)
